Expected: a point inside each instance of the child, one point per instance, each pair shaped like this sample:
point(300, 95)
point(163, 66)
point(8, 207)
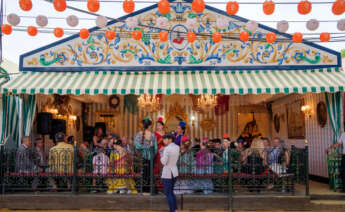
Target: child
point(100, 163)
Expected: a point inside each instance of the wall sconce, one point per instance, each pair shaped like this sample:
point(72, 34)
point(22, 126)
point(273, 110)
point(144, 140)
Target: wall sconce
point(306, 109)
point(193, 119)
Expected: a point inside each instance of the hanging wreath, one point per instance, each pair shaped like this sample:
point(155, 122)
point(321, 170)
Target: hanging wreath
point(114, 101)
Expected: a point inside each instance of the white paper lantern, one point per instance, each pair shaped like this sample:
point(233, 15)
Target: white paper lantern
point(101, 21)
point(13, 19)
point(162, 22)
point(252, 26)
point(341, 25)
point(312, 24)
point(72, 21)
point(222, 23)
point(283, 26)
point(191, 23)
point(41, 20)
point(132, 22)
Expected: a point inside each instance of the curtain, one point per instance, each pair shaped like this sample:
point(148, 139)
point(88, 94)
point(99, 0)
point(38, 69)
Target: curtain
point(334, 102)
point(29, 109)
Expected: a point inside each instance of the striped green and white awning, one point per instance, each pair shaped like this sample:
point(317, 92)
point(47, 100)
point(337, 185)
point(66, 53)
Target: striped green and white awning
point(189, 82)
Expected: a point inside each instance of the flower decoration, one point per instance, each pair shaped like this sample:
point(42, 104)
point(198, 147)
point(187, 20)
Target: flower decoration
point(162, 22)
point(222, 23)
point(13, 19)
point(72, 21)
point(192, 23)
point(283, 26)
point(41, 20)
point(312, 24)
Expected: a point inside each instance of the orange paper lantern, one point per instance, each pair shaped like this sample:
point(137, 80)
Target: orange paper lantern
point(338, 7)
point(304, 7)
point(128, 6)
point(60, 5)
point(84, 33)
point(297, 37)
point(271, 37)
point(163, 36)
point(6, 29)
point(232, 7)
point(58, 32)
point(198, 6)
point(164, 6)
point(216, 37)
point(110, 34)
point(244, 36)
point(325, 36)
point(268, 7)
point(32, 30)
point(191, 37)
point(136, 35)
point(93, 5)
point(25, 5)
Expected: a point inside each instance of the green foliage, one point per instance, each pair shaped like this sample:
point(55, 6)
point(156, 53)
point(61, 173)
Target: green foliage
point(342, 52)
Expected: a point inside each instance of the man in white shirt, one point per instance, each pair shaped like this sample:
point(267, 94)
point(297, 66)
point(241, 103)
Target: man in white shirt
point(341, 142)
point(169, 160)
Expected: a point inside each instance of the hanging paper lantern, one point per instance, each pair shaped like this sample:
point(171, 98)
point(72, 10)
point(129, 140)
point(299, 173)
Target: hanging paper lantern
point(271, 37)
point(32, 30)
point(268, 7)
point(341, 25)
point(163, 36)
point(6, 29)
point(41, 21)
point(216, 37)
point(252, 26)
point(60, 5)
point(25, 5)
point(297, 37)
point(72, 21)
point(162, 22)
point(192, 23)
point(58, 32)
point(325, 36)
point(136, 35)
point(312, 24)
point(198, 6)
point(338, 7)
point(283, 26)
point(84, 33)
point(222, 23)
point(244, 36)
point(304, 7)
point(132, 22)
point(128, 6)
point(93, 5)
point(110, 34)
point(191, 37)
point(232, 7)
point(13, 19)
point(164, 7)
point(101, 21)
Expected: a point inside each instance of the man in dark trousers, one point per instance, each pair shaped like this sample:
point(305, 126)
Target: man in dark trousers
point(170, 172)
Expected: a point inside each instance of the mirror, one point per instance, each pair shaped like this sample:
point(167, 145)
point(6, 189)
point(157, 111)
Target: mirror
point(174, 116)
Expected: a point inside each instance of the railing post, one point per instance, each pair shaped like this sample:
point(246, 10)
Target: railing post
point(306, 161)
point(152, 177)
point(230, 179)
point(74, 179)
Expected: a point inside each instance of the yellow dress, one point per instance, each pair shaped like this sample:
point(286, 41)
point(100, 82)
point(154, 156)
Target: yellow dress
point(118, 166)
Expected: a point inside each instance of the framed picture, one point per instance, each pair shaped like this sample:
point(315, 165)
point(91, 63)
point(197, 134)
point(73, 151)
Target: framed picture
point(321, 114)
point(295, 120)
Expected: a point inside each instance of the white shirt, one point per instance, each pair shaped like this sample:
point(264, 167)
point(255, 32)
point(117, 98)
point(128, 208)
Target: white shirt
point(342, 142)
point(169, 160)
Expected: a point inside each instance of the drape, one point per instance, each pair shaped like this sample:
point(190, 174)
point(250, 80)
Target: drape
point(29, 109)
point(334, 103)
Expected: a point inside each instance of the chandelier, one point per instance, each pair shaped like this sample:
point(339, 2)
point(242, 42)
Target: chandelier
point(207, 102)
point(149, 103)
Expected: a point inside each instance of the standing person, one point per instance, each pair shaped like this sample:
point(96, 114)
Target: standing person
point(100, 164)
point(170, 172)
point(41, 162)
point(204, 166)
point(97, 138)
point(159, 133)
point(341, 142)
point(180, 131)
point(144, 140)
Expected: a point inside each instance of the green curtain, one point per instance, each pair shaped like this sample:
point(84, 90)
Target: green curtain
point(334, 102)
point(29, 109)
point(130, 103)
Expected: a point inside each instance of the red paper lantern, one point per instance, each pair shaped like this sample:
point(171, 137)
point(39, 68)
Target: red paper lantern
point(84, 33)
point(164, 6)
point(216, 37)
point(163, 36)
point(244, 36)
point(60, 5)
point(58, 32)
point(25, 5)
point(93, 5)
point(297, 37)
point(110, 34)
point(338, 7)
point(6, 29)
point(191, 37)
point(128, 6)
point(232, 7)
point(136, 35)
point(32, 30)
point(198, 6)
point(304, 7)
point(271, 37)
point(268, 7)
point(325, 36)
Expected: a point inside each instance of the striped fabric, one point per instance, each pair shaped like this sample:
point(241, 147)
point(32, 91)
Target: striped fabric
point(29, 108)
point(192, 82)
point(334, 102)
